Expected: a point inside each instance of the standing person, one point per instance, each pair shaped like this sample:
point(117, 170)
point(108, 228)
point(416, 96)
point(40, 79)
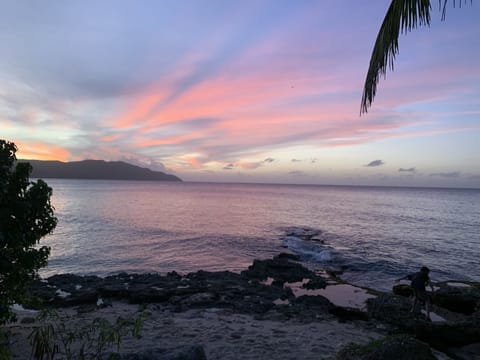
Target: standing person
point(419, 281)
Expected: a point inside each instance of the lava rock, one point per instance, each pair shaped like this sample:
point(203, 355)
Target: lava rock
point(280, 268)
point(402, 290)
point(395, 311)
point(400, 347)
point(459, 299)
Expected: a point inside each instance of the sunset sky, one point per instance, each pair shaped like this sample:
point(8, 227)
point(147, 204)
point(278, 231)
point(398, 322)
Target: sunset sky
point(242, 91)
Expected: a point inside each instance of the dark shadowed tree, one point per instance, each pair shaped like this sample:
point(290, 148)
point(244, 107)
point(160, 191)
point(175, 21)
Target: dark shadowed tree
point(26, 215)
point(402, 16)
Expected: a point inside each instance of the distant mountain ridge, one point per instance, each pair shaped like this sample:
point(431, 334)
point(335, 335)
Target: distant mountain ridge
point(97, 170)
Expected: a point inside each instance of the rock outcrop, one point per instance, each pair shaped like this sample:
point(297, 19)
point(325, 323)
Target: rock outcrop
point(254, 291)
point(400, 347)
point(457, 330)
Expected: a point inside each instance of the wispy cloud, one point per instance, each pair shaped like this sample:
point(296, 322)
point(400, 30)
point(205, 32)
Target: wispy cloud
point(297, 173)
point(409, 170)
point(452, 174)
point(375, 163)
point(251, 165)
point(231, 86)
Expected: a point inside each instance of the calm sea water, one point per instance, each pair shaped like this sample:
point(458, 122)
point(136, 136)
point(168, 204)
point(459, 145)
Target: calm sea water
point(376, 234)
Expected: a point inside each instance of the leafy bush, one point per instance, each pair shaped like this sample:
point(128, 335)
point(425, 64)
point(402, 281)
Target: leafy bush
point(26, 215)
point(5, 353)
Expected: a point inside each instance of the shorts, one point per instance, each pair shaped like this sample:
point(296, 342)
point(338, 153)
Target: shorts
point(422, 295)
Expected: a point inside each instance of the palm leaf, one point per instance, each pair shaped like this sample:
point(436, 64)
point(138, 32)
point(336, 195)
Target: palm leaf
point(402, 16)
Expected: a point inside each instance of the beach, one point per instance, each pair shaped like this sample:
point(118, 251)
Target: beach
point(263, 312)
point(221, 333)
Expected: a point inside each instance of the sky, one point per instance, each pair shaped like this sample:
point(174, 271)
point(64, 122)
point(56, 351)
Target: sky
point(242, 91)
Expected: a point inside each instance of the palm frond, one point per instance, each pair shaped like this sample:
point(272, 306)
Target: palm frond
point(444, 7)
point(402, 16)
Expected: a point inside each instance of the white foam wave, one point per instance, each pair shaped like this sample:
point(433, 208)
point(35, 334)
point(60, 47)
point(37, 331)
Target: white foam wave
point(308, 248)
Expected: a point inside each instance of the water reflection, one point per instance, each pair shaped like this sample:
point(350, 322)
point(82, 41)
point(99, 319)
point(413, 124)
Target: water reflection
point(377, 233)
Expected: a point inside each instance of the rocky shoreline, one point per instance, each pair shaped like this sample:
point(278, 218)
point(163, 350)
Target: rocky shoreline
point(229, 315)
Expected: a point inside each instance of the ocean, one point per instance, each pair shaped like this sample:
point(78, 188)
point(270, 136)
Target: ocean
point(372, 234)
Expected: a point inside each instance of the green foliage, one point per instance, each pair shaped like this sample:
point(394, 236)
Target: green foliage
point(26, 215)
point(60, 337)
point(5, 353)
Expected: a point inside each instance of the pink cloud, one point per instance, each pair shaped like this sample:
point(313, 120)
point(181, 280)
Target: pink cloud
point(171, 140)
point(286, 100)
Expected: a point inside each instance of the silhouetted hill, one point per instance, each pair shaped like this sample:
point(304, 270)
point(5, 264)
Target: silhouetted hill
point(95, 169)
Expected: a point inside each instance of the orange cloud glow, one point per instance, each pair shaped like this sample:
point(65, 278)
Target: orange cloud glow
point(41, 151)
point(193, 161)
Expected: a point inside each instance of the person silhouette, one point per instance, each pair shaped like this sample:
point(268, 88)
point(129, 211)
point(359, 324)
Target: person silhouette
point(419, 281)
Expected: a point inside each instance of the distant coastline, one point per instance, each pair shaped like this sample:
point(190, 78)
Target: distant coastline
point(96, 170)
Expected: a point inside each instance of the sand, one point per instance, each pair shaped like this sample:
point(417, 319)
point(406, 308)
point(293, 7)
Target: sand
point(223, 334)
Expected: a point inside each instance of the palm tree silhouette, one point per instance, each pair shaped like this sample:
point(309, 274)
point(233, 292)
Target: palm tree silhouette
point(402, 16)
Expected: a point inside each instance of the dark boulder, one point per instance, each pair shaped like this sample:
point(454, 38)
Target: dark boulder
point(395, 311)
point(464, 299)
point(315, 283)
point(402, 290)
point(66, 290)
point(399, 347)
point(289, 256)
point(83, 297)
point(281, 269)
point(348, 314)
point(141, 288)
point(314, 301)
point(71, 282)
point(469, 352)
point(447, 335)
point(391, 309)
